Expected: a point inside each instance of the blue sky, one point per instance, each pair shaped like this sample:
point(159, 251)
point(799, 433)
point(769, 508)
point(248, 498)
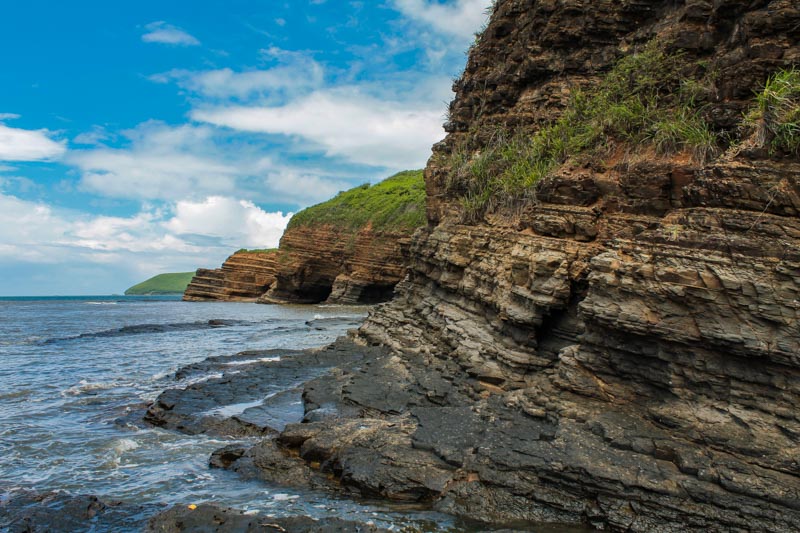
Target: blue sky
point(159, 136)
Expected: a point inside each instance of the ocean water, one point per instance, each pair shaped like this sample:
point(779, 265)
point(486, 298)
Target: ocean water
point(76, 374)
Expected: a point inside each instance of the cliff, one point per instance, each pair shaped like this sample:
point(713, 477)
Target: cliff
point(350, 249)
point(600, 322)
point(244, 276)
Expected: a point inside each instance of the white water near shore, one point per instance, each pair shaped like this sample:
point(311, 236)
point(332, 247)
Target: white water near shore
point(75, 378)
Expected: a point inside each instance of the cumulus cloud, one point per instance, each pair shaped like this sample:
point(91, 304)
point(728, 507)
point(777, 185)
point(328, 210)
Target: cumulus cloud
point(461, 18)
point(229, 219)
point(28, 230)
point(192, 162)
point(161, 32)
point(28, 145)
point(346, 123)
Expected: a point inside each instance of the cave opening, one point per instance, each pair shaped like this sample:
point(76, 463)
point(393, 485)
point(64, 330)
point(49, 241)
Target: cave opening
point(375, 294)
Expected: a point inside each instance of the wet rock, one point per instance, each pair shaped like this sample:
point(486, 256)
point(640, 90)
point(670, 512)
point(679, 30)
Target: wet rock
point(266, 461)
point(211, 518)
point(258, 393)
point(28, 511)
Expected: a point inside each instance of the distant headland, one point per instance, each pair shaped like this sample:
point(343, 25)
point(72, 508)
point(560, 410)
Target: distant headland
point(173, 283)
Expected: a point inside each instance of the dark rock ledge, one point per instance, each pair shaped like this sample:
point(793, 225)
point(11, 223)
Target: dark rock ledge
point(371, 427)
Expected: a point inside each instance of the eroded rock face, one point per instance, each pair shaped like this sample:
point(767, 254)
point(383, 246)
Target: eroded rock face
point(624, 352)
point(243, 277)
point(314, 264)
point(325, 263)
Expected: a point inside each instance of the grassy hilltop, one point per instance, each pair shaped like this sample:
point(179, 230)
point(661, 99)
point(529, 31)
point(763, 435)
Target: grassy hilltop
point(174, 283)
point(398, 202)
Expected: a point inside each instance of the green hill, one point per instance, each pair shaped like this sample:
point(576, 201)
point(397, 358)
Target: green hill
point(162, 284)
point(396, 202)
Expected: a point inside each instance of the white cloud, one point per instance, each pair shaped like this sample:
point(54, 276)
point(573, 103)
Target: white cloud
point(95, 137)
point(28, 145)
point(28, 230)
point(461, 18)
point(161, 32)
point(183, 237)
point(229, 219)
point(346, 123)
point(163, 162)
point(192, 162)
point(293, 73)
point(303, 187)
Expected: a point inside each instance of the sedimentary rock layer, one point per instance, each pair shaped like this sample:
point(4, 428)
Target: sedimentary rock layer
point(349, 250)
point(625, 350)
point(314, 264)
point(244, 276)
point(326, 263)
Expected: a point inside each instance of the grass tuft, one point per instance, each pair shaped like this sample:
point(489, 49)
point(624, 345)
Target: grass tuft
point(774, 119)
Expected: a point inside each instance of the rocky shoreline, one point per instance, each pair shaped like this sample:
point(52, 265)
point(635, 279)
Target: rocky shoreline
point(325, 419)
point(369, 426)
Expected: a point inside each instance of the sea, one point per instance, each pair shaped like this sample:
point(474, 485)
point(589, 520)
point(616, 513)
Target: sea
point(76, 374)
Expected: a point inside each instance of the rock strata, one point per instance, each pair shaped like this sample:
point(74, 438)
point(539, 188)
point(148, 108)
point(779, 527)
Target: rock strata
point(348, 250)
point(324, 263)
point(622, 352)
point(244, 276)
point(630, 340)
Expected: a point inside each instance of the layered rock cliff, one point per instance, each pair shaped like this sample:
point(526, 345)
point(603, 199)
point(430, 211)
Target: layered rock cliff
point(324, 263)
point(619, 344)
point(348, 250)
point(244, 276)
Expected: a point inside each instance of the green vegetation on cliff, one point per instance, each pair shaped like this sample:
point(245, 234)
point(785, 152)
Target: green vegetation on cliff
point(651, 98)
point(256, 251)
point(775, 117)
point(162, 284)
point(397, 202)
